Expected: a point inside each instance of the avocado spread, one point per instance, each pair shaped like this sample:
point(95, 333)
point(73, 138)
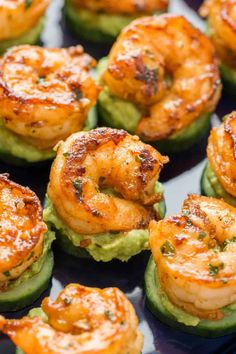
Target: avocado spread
point(30, 37)
point(211, 186)
point(104, 247)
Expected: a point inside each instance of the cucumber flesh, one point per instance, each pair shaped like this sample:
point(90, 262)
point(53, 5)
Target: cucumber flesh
point(29, 291)
point(211, 187)
point(204, 328)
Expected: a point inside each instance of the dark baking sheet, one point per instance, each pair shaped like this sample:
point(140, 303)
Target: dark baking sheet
point(180, 177)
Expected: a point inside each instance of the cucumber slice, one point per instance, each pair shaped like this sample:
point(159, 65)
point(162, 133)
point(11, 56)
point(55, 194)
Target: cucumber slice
point(29, 291)
point(14, 150)
point(30, 37)
point(229, 79)
point(158, 306)
point(97, 27)
point(211, 187)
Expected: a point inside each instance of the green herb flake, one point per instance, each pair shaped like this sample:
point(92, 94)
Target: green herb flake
point(110, 315)
point(7, 273)
point(167, 249)
point(78, 184)
point(67, 301)
point(28, 3)
point(78, 93)
point(202, 235)
point(189, 222)
point(185, 212)
point(41, 80)
point(66, 154)
point(214, 270)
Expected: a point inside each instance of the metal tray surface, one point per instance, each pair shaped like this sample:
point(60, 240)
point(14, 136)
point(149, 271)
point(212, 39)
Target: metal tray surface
point(180, 177)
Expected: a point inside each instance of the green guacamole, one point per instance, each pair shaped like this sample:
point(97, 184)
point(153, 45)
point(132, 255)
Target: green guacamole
point(14, 148)
point(212, 187)
point(30, 37)
point(174, 316)
point(36, 267)
point(107, 246)
point(122, 114)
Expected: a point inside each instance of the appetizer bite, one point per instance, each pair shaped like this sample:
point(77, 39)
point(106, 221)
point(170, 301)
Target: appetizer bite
point(81, 320)
point(102, 21)
point(161, 81)
point(22, 22)
point(191, 283)
point(103, 191)
point(219, 176)
point(221, 28)
point(26, 261)
point(45, 95)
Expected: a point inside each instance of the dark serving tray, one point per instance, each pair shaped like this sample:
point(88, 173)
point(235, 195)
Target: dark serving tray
point(180, 177)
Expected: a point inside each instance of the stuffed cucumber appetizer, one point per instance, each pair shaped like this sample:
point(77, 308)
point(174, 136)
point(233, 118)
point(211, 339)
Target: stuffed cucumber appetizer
point(190, 281)
point(103, 191)
point(26, 260)
point(219, 176)
point(165, 99)
point(45, 95)
point(102, 21)
point(22, 22)
point(221, 28)
point(81, 320)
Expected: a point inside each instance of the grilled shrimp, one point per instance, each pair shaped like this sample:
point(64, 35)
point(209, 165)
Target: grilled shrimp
point(123, 7)
point(167, 68)
point(81, 320)
point(221, 16)
point(87, 163)
point(45, 93)
point(19, 16)
point(221, 152)
point(21, 229)
point(195, 256)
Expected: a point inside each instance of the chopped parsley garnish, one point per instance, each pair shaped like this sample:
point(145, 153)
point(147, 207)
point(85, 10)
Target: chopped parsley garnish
point(41, 80)
point(28, 3)
point(185, 212)
point(110, 315)
point(202, 235)
point(78, 93)
point(78, 184)
point(7, 273)
point(214, 269)
point(67, 301)
point(227, 242)
point(167, 249)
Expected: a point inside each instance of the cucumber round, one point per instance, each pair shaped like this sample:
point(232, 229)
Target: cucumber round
point(29, 291)
point(30, 37)
point(205, 328)
point(66, 245)
point(97, 27)
point(14, 150)
point(229, 79)
point(211, 187)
